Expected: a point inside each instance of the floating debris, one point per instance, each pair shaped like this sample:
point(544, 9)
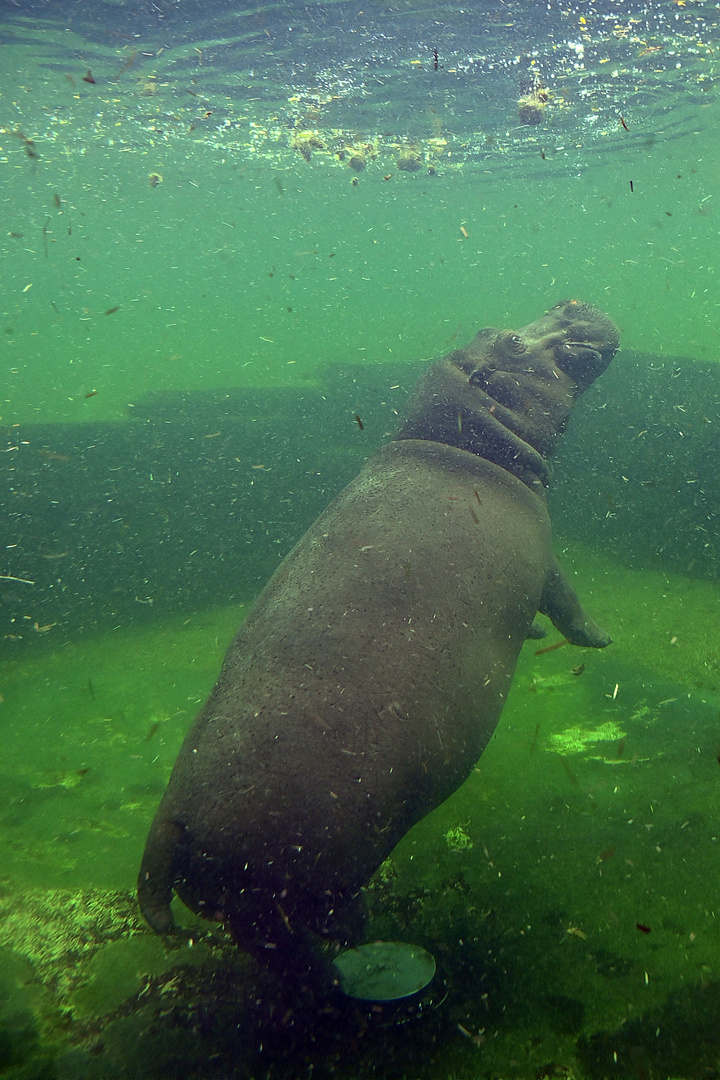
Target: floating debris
point(306, 142)
point(552, 648)
point(410, 161)
point(533, 103)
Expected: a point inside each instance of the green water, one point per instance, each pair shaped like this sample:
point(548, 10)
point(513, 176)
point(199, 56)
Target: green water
point(529, 883)
point(247, 265)
point(149, 248)
point(220, 279)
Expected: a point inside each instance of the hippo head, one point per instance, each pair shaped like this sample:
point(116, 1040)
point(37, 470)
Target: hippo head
point(507, 396)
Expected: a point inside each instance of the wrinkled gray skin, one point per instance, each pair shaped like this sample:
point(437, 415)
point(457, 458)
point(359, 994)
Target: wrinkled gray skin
point(371, 672)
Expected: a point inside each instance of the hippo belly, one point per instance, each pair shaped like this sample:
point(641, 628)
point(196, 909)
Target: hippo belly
point(358, 695)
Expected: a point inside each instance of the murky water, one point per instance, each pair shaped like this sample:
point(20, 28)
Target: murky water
point(212, 263)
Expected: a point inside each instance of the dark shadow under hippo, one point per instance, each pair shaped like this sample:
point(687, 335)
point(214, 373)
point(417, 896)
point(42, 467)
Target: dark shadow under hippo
point(373, 668)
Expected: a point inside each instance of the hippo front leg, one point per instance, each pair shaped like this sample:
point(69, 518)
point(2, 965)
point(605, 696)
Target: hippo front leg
point(560, 603)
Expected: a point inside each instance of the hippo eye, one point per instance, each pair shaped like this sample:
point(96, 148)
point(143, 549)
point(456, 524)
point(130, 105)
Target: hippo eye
point(509, 344)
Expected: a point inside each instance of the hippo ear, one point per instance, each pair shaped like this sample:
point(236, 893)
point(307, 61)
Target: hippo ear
point(481, 345)
point(485, 337)
point(478, 355)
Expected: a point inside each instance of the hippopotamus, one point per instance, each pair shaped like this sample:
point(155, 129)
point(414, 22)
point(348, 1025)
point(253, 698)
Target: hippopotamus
point(373, 668)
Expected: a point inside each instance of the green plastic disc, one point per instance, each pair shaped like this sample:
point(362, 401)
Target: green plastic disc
point(384, 970)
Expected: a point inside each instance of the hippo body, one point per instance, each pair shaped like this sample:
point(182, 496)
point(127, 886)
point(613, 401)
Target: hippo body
point(373, 668)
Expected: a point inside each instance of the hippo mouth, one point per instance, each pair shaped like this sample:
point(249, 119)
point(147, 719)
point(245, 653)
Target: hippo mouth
point(572, 349)
point(582, 361)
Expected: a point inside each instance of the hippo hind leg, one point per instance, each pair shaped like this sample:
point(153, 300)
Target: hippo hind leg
point(300, 945)
point(158, 873)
